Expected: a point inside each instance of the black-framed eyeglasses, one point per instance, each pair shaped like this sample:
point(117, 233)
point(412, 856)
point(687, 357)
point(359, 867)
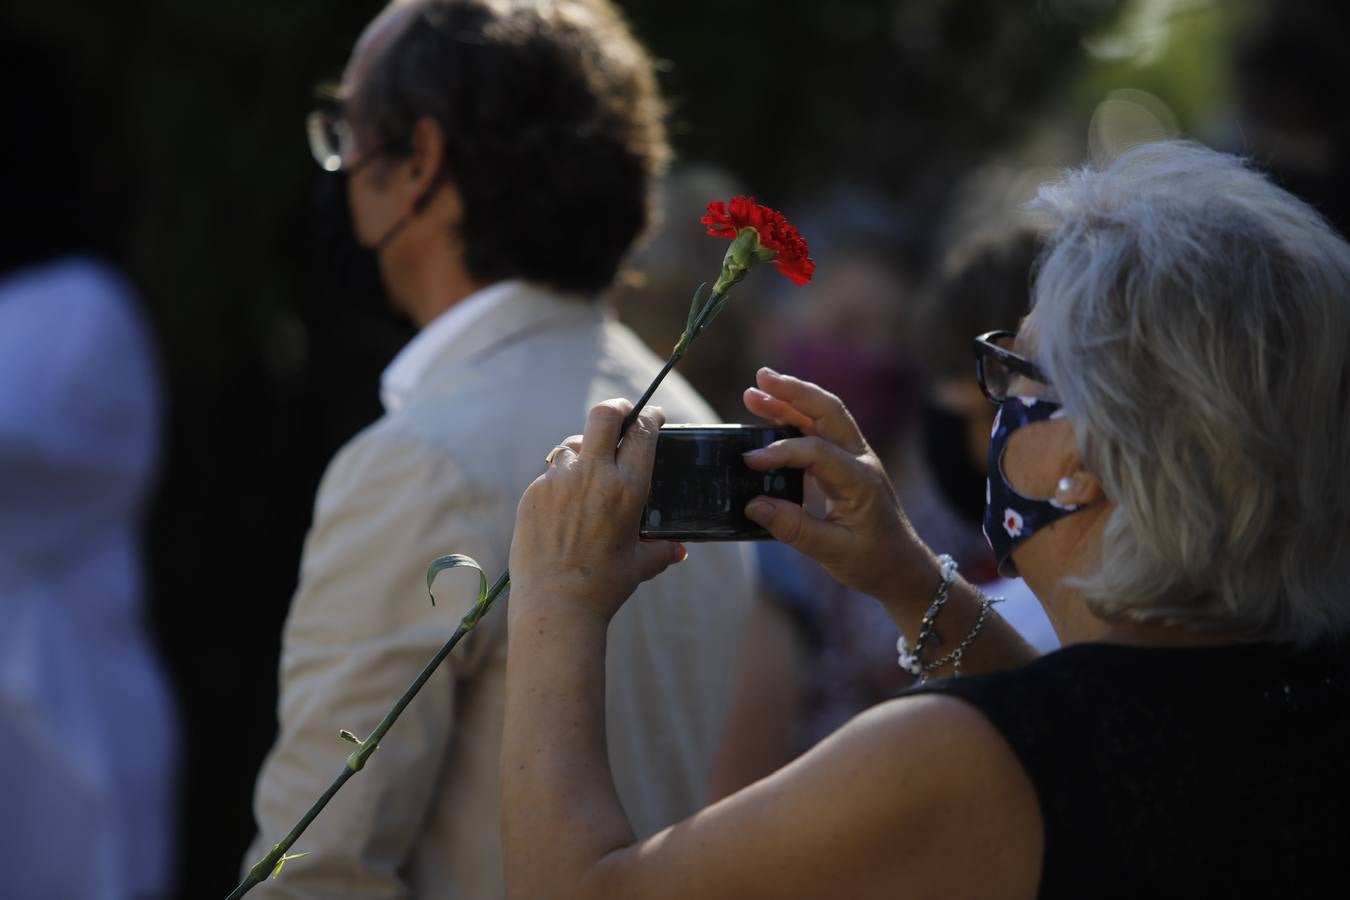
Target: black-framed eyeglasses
point(996, 365)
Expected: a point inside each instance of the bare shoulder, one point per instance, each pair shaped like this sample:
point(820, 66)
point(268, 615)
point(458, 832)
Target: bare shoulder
point(957, 790)
point(920, 796)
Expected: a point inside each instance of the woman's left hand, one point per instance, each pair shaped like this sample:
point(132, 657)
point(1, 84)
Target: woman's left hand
point(576, 535)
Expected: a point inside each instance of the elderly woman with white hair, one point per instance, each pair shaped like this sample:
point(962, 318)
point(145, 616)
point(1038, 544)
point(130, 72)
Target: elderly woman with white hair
point(1168, 472)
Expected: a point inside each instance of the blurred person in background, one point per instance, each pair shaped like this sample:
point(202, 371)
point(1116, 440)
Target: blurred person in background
point(818, 653)
point(982, 282)
point(88, 734)
point(1167, 475)
point(852, 331)
point(852, 328)
point(500, 159)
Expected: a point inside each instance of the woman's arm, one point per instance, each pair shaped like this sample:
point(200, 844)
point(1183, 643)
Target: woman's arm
point(864, 541)
point(919, 796)
point(575, 559)
point(560, 811)
point(766, 701)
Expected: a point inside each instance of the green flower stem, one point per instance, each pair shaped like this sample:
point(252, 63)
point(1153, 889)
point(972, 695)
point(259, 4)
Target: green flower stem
point(271, 862)
point(357, 760)
point(651, 389)
point(711, 307)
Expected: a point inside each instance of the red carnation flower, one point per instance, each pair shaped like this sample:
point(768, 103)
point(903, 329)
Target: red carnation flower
point(775, 233)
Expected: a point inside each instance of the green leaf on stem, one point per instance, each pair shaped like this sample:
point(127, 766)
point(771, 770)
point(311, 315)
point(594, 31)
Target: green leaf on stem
point(695, 307)
point(456, 561)
point(716, 310)
point(288, 856)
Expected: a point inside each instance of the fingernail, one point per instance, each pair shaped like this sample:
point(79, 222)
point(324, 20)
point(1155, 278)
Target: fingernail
point(748, 454)
point(770, 371)
point(757, 393)
point(758, 511)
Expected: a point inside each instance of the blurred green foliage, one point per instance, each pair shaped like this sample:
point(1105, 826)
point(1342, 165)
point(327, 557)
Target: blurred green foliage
point(1184, 58)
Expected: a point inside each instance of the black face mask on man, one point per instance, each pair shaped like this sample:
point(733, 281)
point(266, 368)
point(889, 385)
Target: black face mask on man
point(394, 230)
point(342, 256)
point(344, 271)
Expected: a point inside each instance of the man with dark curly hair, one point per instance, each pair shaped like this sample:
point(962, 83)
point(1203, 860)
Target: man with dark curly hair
point(499, 157)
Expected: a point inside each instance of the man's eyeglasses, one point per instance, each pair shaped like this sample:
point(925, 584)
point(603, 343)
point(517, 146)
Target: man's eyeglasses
point(996, 365)
point(331, 142)
point(330, 139)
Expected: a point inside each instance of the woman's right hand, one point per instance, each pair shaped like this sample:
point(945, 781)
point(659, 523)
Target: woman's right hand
point(864, 540)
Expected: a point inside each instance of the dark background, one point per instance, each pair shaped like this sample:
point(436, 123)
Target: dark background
point(198, 184)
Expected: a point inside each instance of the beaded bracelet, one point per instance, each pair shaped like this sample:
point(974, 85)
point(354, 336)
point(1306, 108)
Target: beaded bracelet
point(911, 660)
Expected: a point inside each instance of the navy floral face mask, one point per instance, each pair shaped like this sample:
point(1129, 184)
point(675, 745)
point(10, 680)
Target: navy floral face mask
point(1009, 517)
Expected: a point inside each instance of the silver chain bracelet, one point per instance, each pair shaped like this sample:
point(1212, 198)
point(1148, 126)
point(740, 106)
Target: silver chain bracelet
point(911, 660)
point(956, 655)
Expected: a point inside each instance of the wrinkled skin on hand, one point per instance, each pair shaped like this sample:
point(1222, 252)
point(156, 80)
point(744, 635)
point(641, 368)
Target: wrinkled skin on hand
point(577, 524)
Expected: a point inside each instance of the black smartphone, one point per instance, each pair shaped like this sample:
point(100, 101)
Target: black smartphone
point(700, 484)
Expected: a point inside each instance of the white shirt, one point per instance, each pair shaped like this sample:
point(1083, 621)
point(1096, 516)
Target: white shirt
point(409, 367)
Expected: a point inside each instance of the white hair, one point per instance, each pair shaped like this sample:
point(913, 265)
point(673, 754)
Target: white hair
point(1195, 321)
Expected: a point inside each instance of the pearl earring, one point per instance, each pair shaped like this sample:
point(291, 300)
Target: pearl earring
point(1065, 485)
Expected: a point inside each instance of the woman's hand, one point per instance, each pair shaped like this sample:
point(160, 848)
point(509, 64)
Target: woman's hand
point(864, 541)
point(577, 525)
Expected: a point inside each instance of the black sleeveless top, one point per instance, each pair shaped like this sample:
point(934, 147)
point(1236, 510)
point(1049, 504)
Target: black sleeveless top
point(1181, 772)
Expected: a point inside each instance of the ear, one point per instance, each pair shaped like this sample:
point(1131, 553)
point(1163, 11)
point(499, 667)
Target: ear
point(1074, 485)
point(1078, 488)
point(427, 159)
